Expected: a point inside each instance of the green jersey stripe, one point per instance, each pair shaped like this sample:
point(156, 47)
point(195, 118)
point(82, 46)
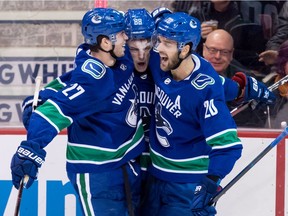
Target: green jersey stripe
point(224, 139)
point(189, 165)
point(48, 120)
point(52, 112)
point(80, 153)
point(145, 160)
point(55, 84)
point(226, 146)
point(180, 171)
point(221, 132)
point(85, 194)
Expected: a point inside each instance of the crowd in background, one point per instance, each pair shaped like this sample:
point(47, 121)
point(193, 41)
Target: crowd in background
point(257, 29)
point(99, 100)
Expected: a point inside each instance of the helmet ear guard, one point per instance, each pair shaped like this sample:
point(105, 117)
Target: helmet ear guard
point(102, 21)
point(182, 28)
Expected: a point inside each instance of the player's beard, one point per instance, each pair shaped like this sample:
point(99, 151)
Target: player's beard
point(171, 63)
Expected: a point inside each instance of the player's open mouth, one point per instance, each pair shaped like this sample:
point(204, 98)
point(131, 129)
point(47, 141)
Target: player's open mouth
point(164, 59)
point(141, 64)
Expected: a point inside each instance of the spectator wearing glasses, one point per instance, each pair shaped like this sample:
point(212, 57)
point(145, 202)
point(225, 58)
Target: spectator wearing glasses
point(218, 50)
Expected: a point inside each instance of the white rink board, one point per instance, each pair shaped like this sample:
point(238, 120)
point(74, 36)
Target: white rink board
point(253, 195)
point(52, 170)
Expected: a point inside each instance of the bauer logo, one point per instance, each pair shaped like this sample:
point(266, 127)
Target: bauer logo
point(94, 68)
point(22, 152)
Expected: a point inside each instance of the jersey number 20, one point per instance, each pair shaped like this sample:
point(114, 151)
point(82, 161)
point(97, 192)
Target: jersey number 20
point(211, 110)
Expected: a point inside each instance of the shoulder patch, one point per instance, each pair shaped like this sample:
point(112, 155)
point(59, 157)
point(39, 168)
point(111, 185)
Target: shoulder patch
point(94, 68)
point(201, 81)
point(222, 80)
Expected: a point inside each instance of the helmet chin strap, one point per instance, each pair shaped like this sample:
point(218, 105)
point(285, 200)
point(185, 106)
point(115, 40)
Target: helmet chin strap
point(110, 51)
point(180, 60)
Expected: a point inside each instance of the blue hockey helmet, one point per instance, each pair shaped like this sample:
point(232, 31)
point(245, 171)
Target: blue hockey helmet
point(160, 13)
point(139, 24)
point(102, 21)
point(181, 28)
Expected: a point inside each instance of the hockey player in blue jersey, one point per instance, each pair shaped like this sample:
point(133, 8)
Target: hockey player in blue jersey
point(193, 138)
point(139, 30)
point(243, 89)
point(98, 106)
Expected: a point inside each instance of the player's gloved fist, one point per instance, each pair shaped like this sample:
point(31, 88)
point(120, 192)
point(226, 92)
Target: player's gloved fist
point(253, 89)
point(26, 161)
point(202, 196)
point(27, 110)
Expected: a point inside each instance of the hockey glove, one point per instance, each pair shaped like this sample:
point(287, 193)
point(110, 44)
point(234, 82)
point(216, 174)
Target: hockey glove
point(202, 196)
point(253, 89)
point(28, 109)
point(26, 161)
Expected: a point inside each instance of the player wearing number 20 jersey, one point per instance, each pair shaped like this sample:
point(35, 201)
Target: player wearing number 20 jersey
point(188, 131)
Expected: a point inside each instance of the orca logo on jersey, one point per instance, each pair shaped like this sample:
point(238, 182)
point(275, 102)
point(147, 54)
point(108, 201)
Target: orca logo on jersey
point(201, 81)
point(162, 124)
point(131, 116)
point(94, 68)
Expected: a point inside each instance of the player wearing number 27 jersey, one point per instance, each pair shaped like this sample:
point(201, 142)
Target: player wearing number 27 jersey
point(97, 99)
point(98, 106)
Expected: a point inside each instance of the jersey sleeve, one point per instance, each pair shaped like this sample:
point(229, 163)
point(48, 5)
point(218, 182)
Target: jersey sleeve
point(231, 88)
point(54, 86)
point(81, 96)
point(220, 132)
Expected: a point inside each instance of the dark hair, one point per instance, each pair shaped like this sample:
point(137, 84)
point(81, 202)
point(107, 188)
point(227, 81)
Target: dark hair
point(96, 47)
point(282, 58)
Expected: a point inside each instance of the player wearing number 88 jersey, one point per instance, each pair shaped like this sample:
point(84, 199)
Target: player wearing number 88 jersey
point(139, 29)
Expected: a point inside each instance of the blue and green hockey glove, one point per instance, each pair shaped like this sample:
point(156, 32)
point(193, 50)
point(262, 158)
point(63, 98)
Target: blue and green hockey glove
point(253, 89)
